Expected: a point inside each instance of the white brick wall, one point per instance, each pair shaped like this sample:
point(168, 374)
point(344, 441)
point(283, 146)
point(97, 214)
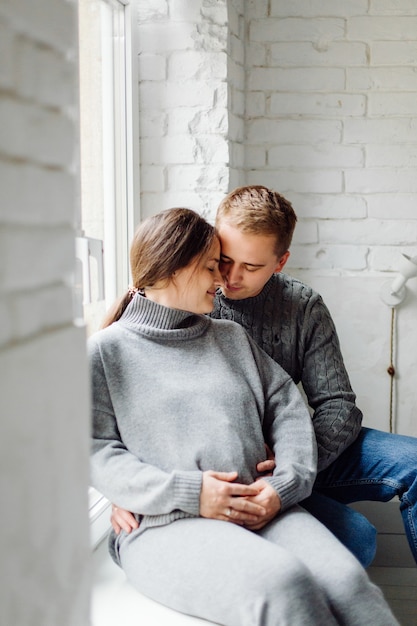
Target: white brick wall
point(43, 383)
point(184, 100)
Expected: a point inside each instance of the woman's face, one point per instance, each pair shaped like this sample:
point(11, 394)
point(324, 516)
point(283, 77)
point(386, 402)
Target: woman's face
point(195, 286)
point(192, 288)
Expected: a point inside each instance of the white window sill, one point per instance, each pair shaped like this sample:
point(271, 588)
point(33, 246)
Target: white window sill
point(99, 511)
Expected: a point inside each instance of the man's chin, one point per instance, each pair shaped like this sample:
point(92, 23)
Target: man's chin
point(232, 294)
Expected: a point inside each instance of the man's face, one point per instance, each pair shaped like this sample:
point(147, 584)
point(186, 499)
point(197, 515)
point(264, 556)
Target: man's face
point(247, 261)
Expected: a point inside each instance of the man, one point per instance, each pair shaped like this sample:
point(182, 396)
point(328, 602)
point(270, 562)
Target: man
point(292, 324)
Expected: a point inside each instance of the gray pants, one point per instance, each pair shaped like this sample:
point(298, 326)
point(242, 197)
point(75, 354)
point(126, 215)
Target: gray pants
point(292, 572)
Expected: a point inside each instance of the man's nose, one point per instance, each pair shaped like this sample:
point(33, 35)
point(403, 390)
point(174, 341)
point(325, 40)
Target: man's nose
point(233, 274)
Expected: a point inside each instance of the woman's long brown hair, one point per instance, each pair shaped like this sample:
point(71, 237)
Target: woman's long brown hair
point(162, 245)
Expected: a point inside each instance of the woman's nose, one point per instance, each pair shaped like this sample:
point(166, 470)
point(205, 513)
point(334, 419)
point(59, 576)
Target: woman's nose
point(218, 280)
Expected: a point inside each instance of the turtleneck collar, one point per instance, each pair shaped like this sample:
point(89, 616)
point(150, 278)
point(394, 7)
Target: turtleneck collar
point(152, 319)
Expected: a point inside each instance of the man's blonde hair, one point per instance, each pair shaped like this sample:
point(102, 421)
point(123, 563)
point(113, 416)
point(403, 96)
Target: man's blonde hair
point(257, 210)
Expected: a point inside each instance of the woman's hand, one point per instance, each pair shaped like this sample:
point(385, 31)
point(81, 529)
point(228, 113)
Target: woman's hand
point(122, 519)
point(223, 499)
point(268, 498)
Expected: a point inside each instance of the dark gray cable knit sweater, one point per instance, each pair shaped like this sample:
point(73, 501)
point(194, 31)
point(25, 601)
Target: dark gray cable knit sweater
point(292, 324)
point(175, 394)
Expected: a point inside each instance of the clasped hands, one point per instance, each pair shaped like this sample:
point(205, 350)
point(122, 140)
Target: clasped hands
point(251, 506)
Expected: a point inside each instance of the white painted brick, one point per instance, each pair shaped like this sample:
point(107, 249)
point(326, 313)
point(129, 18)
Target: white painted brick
point(184, 10)
point(154, 11)
point(159, 38)
point(388, 7)
point(44, 450)
point(293, 131)
point(185, 177)
point(380, 131)
point(305, 233)
point(316, 156)
point(26, 257)
point(236, 129)
point(237, 155)
point(297, 79)
point(387, 258)
point(384, 79)
point(215, 13)
point(211, 149)
point(152, 67)
point(296, 29)
point(236, 75)
point(7, 52)
point(179, 120)
point(238, 102)
point(398, 53)
point(193, 178)
point(151, 203)
point(255, 104)
point(213, 121)
point(35, 133)
point(318, 104)
point(328, 257)
point(368, 232)
point(256, 8)
point(255, 157)
point(33, 312)
point(237, 49)
point(395, 155)
point(381, 179)
point(401, 206)
point(234, 18)
point(32, 195)
point(300, 181)
point(324, 53)
point(372, 27)
point(325, 8)
point(54, 85)
point(192, 65)
point(255, 53)
point(155, 151)
point(171, 95)
point(153, 123)
point(392, 104)
point(152, 178)
point(6, 320)
point(221, 95)
point(328, 206)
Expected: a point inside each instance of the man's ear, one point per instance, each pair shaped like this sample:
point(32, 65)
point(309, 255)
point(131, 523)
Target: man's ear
point(282, 262)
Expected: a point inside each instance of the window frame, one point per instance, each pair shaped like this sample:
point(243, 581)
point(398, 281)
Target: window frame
point(125, 212)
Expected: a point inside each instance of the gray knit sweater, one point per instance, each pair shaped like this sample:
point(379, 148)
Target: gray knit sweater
point(292, 324)
point(175, 394)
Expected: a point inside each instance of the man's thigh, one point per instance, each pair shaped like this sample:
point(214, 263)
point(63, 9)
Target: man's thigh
point(377, 466)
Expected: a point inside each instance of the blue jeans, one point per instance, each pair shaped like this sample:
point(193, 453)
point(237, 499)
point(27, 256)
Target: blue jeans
point(377, 466)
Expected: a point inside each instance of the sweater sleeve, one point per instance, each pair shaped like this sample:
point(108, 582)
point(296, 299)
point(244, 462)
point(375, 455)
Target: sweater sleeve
point(288, 431)
point(336, 418)
point(119, 475)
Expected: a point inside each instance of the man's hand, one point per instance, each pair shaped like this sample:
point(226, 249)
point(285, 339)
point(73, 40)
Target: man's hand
point(122, 519)
point(223, 499)
point(269, 500)
point(266, 467)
